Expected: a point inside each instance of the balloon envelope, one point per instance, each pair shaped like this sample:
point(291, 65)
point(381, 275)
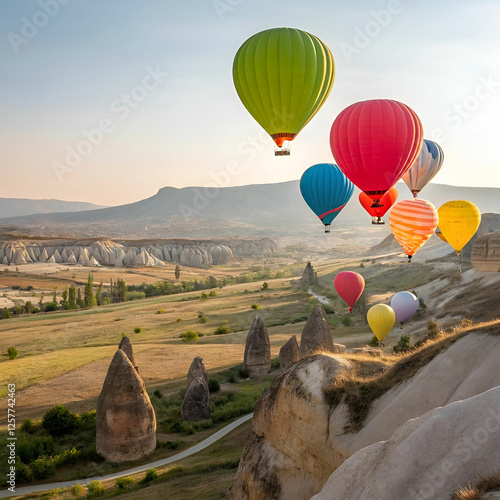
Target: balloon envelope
point(385, 203)
point(283, 76)
point(405, 305)
point(349, 286)
point(381, 319)
point(425, 167)
point(412, 223)
point(375, 142)
point(458, 222)
point(326, 190)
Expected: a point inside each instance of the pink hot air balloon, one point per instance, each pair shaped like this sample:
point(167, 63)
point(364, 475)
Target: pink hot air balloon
point(405, 305)
point(349, 286)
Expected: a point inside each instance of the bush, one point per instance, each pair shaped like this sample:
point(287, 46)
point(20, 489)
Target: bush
point(59, 421)
point(328, 308)
point(203, 319)
point(222, 330)
point(403, 344)
point(189, 336)
point(70, 456)
point(433, 328)
point(265, 286)
point(137, 330)
point(466, 322)
point(373, 342)
point(255, 306)
point(212, 293)
point(151, 475)
point(12, 352)
point(275, 363)
point(213, 385)
point(27, 426)
point(361, 265)
point(346, 320)
point(50, 306)
point(178, 319)
point(95, 489)
point(243, 373)
point(203, 296)
point(232, 378)
point(160, 311)
point(123, 482)
point(158, 393)
point(27, 451)
point(24, 474)
point(43, 467)
point(77, 490)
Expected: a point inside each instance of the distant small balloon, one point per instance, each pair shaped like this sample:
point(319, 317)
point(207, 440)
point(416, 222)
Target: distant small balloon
point(405, 305)
point(381, 319)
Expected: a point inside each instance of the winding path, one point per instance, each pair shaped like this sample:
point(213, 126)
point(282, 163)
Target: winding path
point(141, 468)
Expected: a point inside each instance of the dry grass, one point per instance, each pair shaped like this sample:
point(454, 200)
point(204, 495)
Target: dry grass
point(474, 492)
point(370, 379)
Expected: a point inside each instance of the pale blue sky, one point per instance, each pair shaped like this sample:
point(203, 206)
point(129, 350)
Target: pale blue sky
point(71, 73)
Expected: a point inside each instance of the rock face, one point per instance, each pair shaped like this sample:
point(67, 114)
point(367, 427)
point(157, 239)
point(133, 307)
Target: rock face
point(125, 418)
point(196, 404)
point(289, 354)
point(197, 369)
point(316, 335)
point(257, 358)
point(286, 457)
point(427, 457)
point(126, 346)
point(486, 252)
point(309, 276)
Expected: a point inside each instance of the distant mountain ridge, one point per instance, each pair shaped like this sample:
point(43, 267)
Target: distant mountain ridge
point(252, 210)
point(16, 207)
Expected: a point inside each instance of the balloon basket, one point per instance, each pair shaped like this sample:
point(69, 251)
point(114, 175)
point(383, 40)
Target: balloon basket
point(327, 228)
point(283, 151)
point(378, 221)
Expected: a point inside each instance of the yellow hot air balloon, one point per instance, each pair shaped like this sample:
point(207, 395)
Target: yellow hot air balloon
point(439, 234)
point(458, 221)
point(412, 223)
point(381, 319)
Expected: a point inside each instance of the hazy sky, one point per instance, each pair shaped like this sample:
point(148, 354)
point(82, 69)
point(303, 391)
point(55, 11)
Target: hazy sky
point(155, 76)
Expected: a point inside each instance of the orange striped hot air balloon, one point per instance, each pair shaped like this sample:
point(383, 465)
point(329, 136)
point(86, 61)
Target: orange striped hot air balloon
point(412, 223)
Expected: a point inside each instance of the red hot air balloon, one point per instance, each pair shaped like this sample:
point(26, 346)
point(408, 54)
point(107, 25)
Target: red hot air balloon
point(375, 142)
point(386, 202)
point(349, 286)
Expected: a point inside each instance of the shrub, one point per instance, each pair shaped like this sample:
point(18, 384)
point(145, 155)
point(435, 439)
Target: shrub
point(213, 385)
point(50, 306)
point(203, 319)
point(27, 426)
point(255, 306)
point(232, 378)
point(95, 489)
point(403, 344)
point(178, 319)
point(373, 342)
point(246, 290)
point(27, 451)
point(160, 311)
point(189, 336)
point(466, 322)
point(12, 352)
point(28, 307)
point(265, 286)
point(59, 421)
point(158, 393)
point(24, 474)
point(222, 330)
point(77, 490)
point(137, 330)
point(203, 296)
point(433, 328)
point(123, 482)
point(361, 265)
point(43, 467)
point(212, 293)
point(243, 373)
point(151, 475)
point(346, 320)
point(328, 308)
point(275, 363)
point(70, 456)
point(201, 314)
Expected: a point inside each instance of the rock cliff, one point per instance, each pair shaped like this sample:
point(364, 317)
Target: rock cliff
point(486, 252)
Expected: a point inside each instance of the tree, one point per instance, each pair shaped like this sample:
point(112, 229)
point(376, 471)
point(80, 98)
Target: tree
point(12, 352)
point(79, 300)
point(98, 295)
point(72, 297)
point(40, 303)
point(122, 290)
point(28, 307)
point(177, 272)
point(89, 297)
point(111, 291)
point(265, 286)
point(6, 314)
point(54, 297)
point(64, 301)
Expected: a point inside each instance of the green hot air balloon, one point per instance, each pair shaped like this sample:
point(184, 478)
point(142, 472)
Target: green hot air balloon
point(283, 76)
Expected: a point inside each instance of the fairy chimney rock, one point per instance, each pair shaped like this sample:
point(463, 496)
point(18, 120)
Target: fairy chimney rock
point(126, 346)
point(309, 276)
point(196, 404)
point(257, 358)
point(197, 369)
point(289, 354)
point(125, 418)
point(316, 336)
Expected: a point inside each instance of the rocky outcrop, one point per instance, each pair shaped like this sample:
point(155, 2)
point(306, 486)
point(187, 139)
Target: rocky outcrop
point(125, 418)
point(427, 457)
point(309, 276)
point(257, 357)
point(287, 456)
point(486, 252)
point(197, 369)
point(126, 346)
point(196, 404)
point(316, 335)
point(289, 354)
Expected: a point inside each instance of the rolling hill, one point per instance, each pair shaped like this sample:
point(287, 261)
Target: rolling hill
point(16, 207)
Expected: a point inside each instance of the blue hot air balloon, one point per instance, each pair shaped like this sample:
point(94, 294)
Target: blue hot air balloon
point(326, 190)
